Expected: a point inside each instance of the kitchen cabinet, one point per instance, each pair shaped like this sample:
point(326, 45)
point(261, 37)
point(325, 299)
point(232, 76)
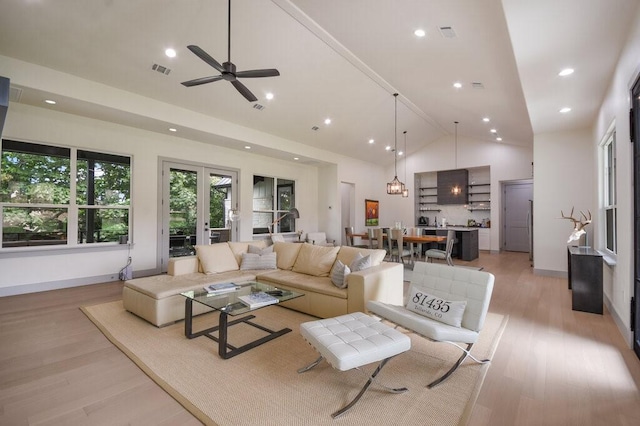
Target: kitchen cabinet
point(484, 239)
point(466, 246)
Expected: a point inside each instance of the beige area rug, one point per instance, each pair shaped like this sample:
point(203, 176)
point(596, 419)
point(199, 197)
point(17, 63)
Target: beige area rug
point(262, 387)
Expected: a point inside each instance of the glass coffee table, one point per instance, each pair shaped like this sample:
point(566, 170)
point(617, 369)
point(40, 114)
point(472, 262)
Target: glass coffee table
point(228, 304)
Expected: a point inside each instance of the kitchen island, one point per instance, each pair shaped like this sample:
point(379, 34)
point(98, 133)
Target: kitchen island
point(466, 247)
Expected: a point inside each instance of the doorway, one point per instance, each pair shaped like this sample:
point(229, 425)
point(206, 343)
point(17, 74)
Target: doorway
point(347, 208)
point(516, 215)
point(196, 206)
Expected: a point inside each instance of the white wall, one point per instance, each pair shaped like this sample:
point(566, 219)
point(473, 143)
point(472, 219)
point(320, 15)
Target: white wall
point(564, 177)
point(615, 108)
point(25, 271)
point(507, 162)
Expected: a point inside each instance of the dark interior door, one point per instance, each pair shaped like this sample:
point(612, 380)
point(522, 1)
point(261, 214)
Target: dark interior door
point(635, 128)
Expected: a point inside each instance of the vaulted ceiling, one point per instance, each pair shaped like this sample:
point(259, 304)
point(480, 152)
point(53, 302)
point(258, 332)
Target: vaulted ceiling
point(338, 59)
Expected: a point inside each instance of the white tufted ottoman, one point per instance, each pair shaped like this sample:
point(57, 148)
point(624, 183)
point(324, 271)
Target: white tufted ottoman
point(351, 341)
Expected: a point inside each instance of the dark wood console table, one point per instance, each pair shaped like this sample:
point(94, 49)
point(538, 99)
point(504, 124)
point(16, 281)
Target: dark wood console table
point(585, 279)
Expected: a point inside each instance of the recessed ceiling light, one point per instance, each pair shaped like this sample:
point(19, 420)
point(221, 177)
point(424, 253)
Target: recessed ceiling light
point(50, 101)
point(486, 119)
point(296, 158)
point(400, 152)
point(388, 148)
point(269, 96)
point(247, 147)
point(565, 110)
point(371, 141)
point(327, 121)
point(565, 72)
point(171, 53)
point(457, 85)
point(499, 139)
point(493, 131)
point(419, 33)
point(173, 129)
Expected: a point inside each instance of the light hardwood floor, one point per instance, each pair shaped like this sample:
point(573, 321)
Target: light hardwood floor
point(553, 366)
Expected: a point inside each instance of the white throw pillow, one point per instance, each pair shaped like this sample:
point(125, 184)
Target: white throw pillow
point(360, 263)
point(257, 261)
point(339, 274)
point(434, 307)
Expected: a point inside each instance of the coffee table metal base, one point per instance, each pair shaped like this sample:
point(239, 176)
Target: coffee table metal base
point(226, 350)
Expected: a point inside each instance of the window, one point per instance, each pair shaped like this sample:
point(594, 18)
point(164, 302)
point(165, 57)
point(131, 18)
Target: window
point(39, 201)
point(273, 198)
point(609, 184)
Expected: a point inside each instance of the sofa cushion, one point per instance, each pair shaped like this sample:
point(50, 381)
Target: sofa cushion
point(252, 261)
point(315, 260)
point(259, 250)
point(216, 258)
point(347, 254)
point(239, 247)
point(287, 254)
point(304, 282)
point(162, 286)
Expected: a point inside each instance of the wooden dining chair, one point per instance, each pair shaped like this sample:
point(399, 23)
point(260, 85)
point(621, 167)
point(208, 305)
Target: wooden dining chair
point(348, 230)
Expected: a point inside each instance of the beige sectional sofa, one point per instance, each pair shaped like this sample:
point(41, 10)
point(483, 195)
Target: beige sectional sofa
point(304, 268)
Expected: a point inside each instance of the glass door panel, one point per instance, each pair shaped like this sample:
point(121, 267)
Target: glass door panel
point(183, 212)
point(196, 209)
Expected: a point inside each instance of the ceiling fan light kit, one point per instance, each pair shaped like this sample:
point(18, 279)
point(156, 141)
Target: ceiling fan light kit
point(395, 187)
point(228, 69)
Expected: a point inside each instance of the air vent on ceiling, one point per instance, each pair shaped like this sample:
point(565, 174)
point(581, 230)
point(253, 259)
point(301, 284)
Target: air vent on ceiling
point(477, 85)
point(447, 32)
point(315, 128)
point(258, 107)
point(161, 69)
point(15, 94)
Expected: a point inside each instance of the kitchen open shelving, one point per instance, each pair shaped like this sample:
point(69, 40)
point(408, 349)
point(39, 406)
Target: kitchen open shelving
point(479, 197)
point(428, 197)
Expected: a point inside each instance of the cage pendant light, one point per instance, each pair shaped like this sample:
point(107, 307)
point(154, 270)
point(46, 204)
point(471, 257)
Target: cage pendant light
point(405, 191)
point(395, 187)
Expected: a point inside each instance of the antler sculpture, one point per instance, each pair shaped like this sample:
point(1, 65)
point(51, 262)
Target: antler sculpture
point(578, 225)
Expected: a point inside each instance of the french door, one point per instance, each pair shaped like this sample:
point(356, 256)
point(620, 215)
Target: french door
point(196, 206)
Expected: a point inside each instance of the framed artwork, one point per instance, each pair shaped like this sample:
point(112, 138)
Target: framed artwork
point(371, 212)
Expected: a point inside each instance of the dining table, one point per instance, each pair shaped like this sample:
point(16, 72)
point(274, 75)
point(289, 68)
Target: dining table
point(411, 239)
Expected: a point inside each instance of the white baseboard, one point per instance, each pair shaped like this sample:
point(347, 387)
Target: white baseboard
point(76, 282)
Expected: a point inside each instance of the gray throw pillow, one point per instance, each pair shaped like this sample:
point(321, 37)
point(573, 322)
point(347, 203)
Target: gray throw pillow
point(360, 263)
point(257, 261)
point(339, 274)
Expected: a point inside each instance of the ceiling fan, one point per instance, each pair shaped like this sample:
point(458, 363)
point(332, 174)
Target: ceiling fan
point(228, 69)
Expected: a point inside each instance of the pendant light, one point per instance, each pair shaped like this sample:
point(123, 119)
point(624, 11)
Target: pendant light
point(456, 190)
point(405, 191)
point(395, 187)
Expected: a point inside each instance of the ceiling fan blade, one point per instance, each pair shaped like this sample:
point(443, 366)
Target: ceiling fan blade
point(202, 80)
point(244, 91)
point(205, 57)
point(258, 73)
